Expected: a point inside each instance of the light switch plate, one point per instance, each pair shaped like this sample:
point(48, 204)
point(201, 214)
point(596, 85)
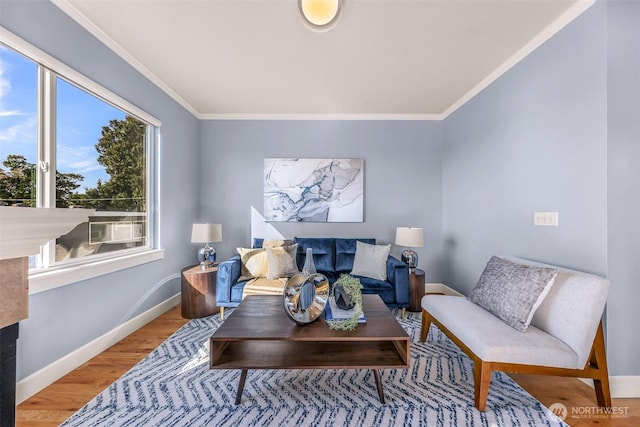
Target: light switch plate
point(545, 218)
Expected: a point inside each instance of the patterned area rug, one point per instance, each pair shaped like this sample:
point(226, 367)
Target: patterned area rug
point(173, 386)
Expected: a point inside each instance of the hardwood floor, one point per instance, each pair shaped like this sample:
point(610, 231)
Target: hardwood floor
point(56, 403)
point(580, 401)
point(59, 401)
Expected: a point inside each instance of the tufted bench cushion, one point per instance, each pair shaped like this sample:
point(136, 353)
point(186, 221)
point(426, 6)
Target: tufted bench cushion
point(493, 340)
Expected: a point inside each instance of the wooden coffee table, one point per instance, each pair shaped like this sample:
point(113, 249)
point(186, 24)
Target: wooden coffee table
point(259, 335)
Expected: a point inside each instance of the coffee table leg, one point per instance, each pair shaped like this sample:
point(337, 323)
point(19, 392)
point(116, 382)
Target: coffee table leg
point(243, 377)
point(379, 385)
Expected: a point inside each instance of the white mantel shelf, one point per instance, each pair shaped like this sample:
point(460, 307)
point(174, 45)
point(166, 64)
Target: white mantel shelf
point(24, 230)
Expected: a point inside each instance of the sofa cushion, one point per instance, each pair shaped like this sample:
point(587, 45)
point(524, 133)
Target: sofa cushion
point(264, 286)
point(237, 290)
point(274, 243)
point(263, 243)
point(371, 260)
point(322, 249)
point(282, 261)
point(254, 263)
point(384, 289)
point(492, 340)
point(346, 251)
point(331, 276)
point(512, 291)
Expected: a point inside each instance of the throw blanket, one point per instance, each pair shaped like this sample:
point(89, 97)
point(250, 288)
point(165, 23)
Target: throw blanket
point(262, 286)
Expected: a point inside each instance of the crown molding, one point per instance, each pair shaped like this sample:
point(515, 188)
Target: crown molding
point(93, 29)
point(345, 116)
point(569, 15)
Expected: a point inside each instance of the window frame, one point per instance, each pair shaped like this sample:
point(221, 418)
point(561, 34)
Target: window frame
point(63, 273)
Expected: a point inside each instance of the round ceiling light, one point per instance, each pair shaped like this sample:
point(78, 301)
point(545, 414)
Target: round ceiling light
point(320, 15)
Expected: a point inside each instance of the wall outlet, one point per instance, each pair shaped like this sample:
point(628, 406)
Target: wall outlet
point(545, 218)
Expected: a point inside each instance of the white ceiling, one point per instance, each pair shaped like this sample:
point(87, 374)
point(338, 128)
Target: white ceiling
point(411, 59)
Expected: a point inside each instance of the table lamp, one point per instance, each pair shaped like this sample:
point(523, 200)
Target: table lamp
point(206, 233)
point(412, 238)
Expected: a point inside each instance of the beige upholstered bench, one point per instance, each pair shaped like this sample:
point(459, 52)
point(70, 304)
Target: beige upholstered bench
point(565, 336)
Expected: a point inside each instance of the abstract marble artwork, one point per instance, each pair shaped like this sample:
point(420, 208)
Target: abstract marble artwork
point(313, 190)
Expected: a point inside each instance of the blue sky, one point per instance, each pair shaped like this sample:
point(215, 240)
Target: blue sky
point(79, 122)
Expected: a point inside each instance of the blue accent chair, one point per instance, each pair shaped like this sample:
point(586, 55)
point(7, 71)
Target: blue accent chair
point(332, 257)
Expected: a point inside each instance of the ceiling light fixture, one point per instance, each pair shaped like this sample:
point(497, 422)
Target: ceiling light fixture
point(320, 15)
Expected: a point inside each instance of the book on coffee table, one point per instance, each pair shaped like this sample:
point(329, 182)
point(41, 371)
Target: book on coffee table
point(333, 312)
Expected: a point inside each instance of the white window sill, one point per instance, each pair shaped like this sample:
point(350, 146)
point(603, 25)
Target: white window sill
point(40, 281)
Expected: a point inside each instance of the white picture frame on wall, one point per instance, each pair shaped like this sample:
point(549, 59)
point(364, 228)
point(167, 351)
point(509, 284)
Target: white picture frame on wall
point(313, 190)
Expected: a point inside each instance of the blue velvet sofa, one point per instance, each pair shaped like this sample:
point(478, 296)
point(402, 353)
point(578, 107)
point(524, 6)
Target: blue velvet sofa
point(332, 257)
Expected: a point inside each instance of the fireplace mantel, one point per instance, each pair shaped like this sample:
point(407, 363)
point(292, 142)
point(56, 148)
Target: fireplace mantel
point(24, 230)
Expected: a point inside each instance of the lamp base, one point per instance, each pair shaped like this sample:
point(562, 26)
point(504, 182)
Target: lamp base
point(206, 256)
point(410, 258)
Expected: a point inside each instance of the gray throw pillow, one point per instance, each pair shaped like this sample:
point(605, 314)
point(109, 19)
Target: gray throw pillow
point(512, 292)
point(282, 261)
point(371, 260)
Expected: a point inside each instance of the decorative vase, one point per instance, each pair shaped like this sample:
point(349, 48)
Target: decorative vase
point(344, 300)
point(347, 292)
point(309, 267)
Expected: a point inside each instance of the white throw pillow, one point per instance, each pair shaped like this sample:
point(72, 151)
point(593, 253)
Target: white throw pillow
point(282, 261)
point(371, 260)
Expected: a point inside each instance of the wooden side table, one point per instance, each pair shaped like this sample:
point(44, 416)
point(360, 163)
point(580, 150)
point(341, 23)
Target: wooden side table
point(416, 289)
point(198, 296)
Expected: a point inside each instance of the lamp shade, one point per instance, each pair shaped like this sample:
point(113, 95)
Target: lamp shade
point(409, 236)
point(206, 233)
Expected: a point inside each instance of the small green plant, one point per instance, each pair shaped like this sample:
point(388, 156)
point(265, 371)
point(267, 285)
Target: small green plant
point(352, 286)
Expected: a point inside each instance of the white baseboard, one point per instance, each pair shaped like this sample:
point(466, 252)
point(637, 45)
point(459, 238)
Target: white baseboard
point(46, 376)
point(440, 288)
point(622, 386)
point(625, 385)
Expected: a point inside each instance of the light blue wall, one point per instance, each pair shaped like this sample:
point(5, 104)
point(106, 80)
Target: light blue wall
point(533, 141)
point(64, 319)
point(403, 177)
point(558, 132)
point(623, 95)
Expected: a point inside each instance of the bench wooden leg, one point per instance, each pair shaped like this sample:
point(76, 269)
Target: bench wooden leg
point(596, 366)
point(424, 328)
point(598, 361)
point(481, 382)
point(603, 394)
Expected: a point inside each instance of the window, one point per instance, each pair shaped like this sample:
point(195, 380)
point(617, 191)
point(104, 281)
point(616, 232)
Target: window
point(18, 129)
point(101, 164)
point(66, 142)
